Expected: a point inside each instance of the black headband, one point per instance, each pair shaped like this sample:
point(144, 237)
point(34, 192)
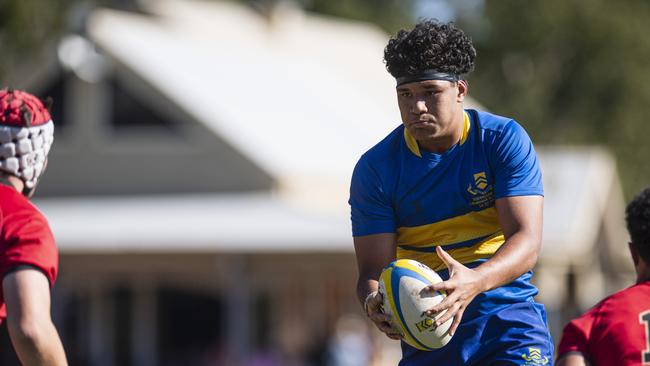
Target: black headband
point(427, 75)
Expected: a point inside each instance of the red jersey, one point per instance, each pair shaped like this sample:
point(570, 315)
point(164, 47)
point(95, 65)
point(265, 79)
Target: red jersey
point(614, 332)
point(25, 239)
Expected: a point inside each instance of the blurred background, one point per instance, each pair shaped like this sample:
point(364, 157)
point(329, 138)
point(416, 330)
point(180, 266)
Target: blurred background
point(197, 187)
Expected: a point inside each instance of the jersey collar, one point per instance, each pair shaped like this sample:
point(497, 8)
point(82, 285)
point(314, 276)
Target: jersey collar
point(415, 148)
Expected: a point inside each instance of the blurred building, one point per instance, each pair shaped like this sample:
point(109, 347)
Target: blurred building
point(198, 185)
point(584, 255)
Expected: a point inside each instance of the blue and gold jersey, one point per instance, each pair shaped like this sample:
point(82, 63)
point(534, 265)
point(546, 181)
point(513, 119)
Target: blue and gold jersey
point(447, 199)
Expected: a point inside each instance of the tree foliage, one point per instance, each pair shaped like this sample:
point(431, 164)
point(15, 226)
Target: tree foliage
point(25, 26)
point(391, 15)
point(573, 72)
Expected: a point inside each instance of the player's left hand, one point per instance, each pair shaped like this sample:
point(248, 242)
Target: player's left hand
point(462, 287)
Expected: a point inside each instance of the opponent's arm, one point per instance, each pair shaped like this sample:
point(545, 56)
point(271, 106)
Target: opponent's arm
point(27, 296)
point(520, 219)
point(373, 253)
point(572, 359)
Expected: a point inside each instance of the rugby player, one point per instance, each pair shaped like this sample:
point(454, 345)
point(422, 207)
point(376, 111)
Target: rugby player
point(617, 330)
point(28, 255)
point(459, 190)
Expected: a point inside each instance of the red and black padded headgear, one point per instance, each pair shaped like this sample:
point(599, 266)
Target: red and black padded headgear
point(26, 136)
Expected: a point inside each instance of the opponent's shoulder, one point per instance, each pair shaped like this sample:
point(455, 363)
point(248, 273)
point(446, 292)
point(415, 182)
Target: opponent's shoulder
point(627, 299)
point(10, 199)
point(620, 304)
point(17, 207)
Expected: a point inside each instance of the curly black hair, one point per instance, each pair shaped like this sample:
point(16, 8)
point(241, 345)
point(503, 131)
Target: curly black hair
point(637, 217)
point(430, 45)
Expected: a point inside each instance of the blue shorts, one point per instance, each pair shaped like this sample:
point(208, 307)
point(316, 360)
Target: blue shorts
point(515, 334)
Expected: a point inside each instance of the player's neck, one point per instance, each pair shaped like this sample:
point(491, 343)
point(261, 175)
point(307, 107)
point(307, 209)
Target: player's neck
point(438, 145)
point(12, 181)
point(642, 277)
point(642, 272)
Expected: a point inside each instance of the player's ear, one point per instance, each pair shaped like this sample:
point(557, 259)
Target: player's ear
point(463, 89)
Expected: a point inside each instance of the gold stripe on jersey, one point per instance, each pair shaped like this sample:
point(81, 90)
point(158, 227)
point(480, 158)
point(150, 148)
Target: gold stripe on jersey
point(482, 250)
point(415, 148)
point(457, 229)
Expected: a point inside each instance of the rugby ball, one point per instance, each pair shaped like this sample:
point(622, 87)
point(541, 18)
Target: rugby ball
point(400, 285)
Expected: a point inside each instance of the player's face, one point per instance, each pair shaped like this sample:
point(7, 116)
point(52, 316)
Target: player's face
point(432, 110)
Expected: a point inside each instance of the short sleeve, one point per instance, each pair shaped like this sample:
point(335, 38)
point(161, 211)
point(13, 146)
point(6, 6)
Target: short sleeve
point(575, 336)
point(28, 240)
point(371, 210)
point(515, 164)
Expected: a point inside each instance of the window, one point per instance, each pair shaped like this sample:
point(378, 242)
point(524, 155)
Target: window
point(129, 112)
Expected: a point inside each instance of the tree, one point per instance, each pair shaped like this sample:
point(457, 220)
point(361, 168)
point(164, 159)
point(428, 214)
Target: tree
point(390, 15)
point(573, 72)
point(25, 26)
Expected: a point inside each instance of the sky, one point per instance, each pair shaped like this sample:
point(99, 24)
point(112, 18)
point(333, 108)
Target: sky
point(446, 10)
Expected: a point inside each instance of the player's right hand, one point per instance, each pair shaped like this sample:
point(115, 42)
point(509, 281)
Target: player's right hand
point(381, 320)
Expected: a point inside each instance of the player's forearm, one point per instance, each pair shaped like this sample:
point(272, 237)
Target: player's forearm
point(572, 359)
point(38, 345)
point(373, 253)
point(365, 285)
point(515, 257)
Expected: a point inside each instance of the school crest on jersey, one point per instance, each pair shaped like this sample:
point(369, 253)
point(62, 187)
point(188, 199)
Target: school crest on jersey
point(534, 357)
point(481, 191)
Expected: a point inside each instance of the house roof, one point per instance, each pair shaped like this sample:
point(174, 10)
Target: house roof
point(217, 223)
point(302, 96)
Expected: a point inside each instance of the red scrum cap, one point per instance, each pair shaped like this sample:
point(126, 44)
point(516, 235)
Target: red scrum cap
point(26, 136)
point(21, 109)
